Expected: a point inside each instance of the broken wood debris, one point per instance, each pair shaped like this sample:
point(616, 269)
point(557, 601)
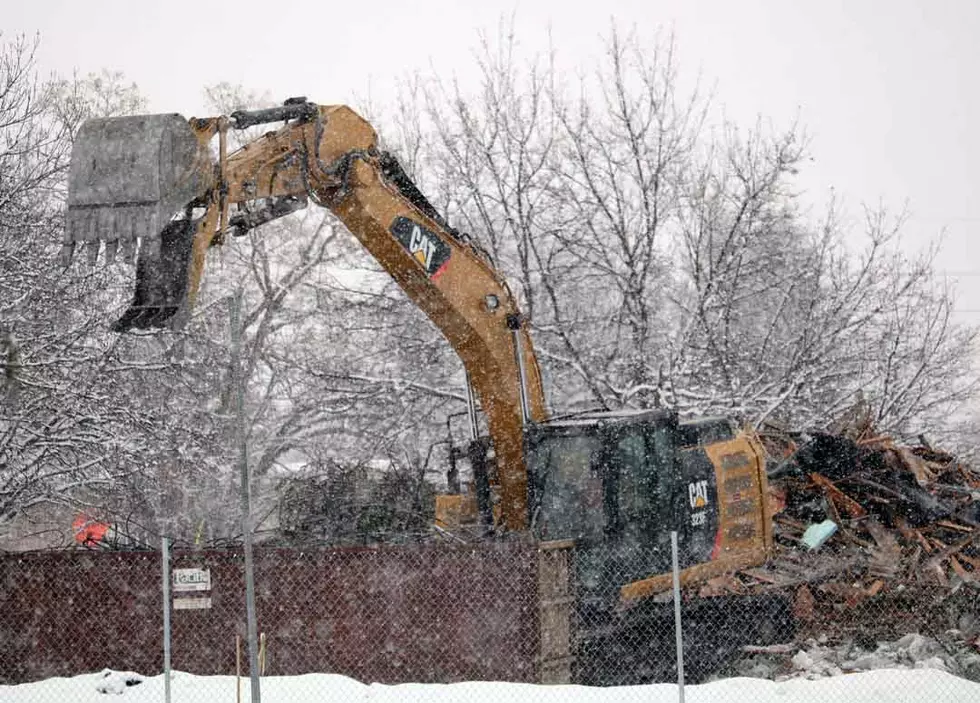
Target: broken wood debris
point(907, 515)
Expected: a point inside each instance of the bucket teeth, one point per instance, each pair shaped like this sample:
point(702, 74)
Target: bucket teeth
point(127, 227)
point(105, 221)
point(144, 228)
point(74, 225)
point(86, 230)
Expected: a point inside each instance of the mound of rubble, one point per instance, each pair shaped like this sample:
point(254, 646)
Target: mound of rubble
point(819, 658)
point(899, 515)
point(874, 540)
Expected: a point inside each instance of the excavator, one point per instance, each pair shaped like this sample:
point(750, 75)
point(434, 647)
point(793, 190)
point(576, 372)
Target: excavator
point(616, 483)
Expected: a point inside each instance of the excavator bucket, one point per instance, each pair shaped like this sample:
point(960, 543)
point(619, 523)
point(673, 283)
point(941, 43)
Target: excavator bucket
point(128, 177)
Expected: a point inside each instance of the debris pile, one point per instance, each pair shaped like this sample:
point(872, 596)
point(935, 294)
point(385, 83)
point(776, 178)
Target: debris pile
point(819, 658)
point(910, 514)
point(873, 537)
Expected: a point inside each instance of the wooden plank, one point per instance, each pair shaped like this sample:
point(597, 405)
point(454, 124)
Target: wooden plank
point(724, 585)
point(960, 571)
point(954, 548)
point(773, 577)
point(905, 530)
point(917, 466)
point(844, 502)
point(887, 557)
point(972, 561)
point(937, 572)
point(791, 523)
point(883, 440)
point(920, 538)
point(912, 571)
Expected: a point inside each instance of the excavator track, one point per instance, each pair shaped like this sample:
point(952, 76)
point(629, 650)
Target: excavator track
point(638, 646)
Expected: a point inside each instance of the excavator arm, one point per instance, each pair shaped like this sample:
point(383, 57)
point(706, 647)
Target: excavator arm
point(131, 176)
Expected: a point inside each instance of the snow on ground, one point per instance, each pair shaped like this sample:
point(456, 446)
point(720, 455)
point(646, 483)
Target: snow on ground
point(901, 686)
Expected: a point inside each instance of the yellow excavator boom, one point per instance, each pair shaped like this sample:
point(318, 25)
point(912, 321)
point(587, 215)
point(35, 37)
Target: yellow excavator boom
point(135, 180)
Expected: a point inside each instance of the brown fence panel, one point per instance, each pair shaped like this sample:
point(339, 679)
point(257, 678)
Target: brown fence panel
point(65, 613)
point(421, 613)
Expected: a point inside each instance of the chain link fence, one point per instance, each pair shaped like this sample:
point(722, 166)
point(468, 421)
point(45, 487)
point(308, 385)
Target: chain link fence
point(500, 620)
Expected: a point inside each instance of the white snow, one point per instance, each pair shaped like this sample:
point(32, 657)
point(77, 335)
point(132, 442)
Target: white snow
point(117, 681)
point(904, 686)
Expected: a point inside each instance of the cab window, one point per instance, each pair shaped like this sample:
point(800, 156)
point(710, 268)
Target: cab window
point(568, 486)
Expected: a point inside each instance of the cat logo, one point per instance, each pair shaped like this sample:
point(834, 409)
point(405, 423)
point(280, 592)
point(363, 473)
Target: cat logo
point(697, 493)
point(424, 246)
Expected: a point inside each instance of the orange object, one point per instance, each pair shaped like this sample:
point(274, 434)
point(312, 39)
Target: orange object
point(88, 531)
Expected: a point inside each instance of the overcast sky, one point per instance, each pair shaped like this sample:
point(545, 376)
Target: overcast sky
point(887, 89)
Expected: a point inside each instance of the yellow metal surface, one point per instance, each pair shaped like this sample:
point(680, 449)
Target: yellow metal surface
point(693, 574)
point(742, 501)
point(454, 510)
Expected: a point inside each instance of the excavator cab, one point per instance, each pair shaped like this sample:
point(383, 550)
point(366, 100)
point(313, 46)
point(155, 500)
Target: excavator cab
point(618, 484)
point(617, 467)
point(607, 481)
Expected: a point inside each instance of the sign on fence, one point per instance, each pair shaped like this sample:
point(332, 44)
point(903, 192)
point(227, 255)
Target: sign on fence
point(192, 579)
point(192, 603)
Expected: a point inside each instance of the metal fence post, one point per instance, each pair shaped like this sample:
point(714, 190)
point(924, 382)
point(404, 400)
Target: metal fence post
point(165, 559)
point(679, 637)
point(244, 495)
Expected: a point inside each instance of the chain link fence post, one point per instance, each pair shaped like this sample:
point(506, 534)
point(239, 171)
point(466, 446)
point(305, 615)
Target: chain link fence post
point(678, 624)
point(165, 561)
point(245, 495)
